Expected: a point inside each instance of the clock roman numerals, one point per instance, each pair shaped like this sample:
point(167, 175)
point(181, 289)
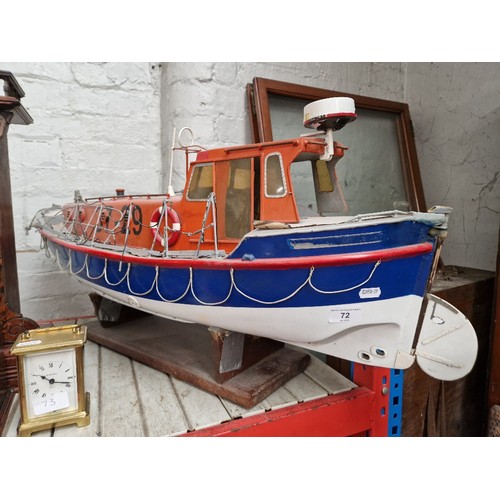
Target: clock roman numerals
point(51, 377)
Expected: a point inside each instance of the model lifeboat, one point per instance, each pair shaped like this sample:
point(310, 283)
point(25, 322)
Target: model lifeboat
point(233, 251)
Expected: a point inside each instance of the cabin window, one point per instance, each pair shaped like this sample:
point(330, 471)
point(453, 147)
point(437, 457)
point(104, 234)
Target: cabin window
point(238, 198)
point(324, 179)
point(201, 183)
point(274, 176)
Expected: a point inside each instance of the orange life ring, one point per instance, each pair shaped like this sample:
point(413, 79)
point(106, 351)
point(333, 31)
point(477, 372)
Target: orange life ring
point(173, 226)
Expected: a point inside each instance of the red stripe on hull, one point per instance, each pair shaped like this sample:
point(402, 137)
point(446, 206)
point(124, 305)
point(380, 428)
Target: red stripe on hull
point(344, 259)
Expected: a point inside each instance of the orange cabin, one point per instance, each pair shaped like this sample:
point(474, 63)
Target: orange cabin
point(250, 183)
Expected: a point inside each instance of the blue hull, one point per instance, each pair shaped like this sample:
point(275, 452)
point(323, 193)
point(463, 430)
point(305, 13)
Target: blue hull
point(293, 286)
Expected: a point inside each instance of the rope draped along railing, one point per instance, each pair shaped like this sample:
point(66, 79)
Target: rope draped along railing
point(223, 301)
point(346, 289)
point(272, 302)
point(188, 287)
point(71, 270)
point(84, 270)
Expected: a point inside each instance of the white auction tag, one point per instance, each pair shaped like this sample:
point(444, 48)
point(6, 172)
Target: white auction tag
point(345, 314)
point(57, 401)
point(369, 293)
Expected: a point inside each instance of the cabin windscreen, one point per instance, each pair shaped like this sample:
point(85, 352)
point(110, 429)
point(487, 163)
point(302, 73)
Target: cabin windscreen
point(201, 182)
point(316, 189)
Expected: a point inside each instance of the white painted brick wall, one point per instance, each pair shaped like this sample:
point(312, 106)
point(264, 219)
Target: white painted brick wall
point(456, 115)
point(96, 127)
point(99, 126)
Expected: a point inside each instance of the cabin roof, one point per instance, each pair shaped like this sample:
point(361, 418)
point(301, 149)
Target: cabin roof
point(313, 145)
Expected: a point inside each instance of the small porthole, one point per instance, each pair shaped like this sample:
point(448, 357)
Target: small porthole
point(379, 351)
point(364, 356)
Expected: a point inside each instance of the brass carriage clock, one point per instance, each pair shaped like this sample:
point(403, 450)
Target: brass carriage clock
point(51, 381)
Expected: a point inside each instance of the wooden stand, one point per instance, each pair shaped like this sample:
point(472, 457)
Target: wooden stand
point(241, 368)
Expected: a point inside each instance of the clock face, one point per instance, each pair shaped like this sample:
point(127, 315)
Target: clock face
point(50, 383)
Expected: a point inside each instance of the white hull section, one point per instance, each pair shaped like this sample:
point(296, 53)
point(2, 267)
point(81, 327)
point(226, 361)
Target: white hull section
point(377, 333)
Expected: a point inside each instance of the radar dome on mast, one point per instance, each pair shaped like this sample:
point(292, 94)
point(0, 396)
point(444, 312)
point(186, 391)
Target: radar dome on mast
point(332, 113)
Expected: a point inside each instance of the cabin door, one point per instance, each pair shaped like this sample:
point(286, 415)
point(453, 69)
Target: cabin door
point(234, 194)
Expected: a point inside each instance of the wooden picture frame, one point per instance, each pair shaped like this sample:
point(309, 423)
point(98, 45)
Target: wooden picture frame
point(262, 91)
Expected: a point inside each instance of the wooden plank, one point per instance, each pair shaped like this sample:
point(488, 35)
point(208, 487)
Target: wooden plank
point(322, 380)
point(13, 419)
point(262, 379)
point(280, 399)
point(332, 381)
point(304, 388)
point(120, 408)
point(286, 395)
point(7, 397)
point(316, 381)
point(237, 411)
point(201, 408)
point(163, 413)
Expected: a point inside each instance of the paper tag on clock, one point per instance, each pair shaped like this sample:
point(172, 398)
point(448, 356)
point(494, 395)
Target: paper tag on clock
point(57, 401)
